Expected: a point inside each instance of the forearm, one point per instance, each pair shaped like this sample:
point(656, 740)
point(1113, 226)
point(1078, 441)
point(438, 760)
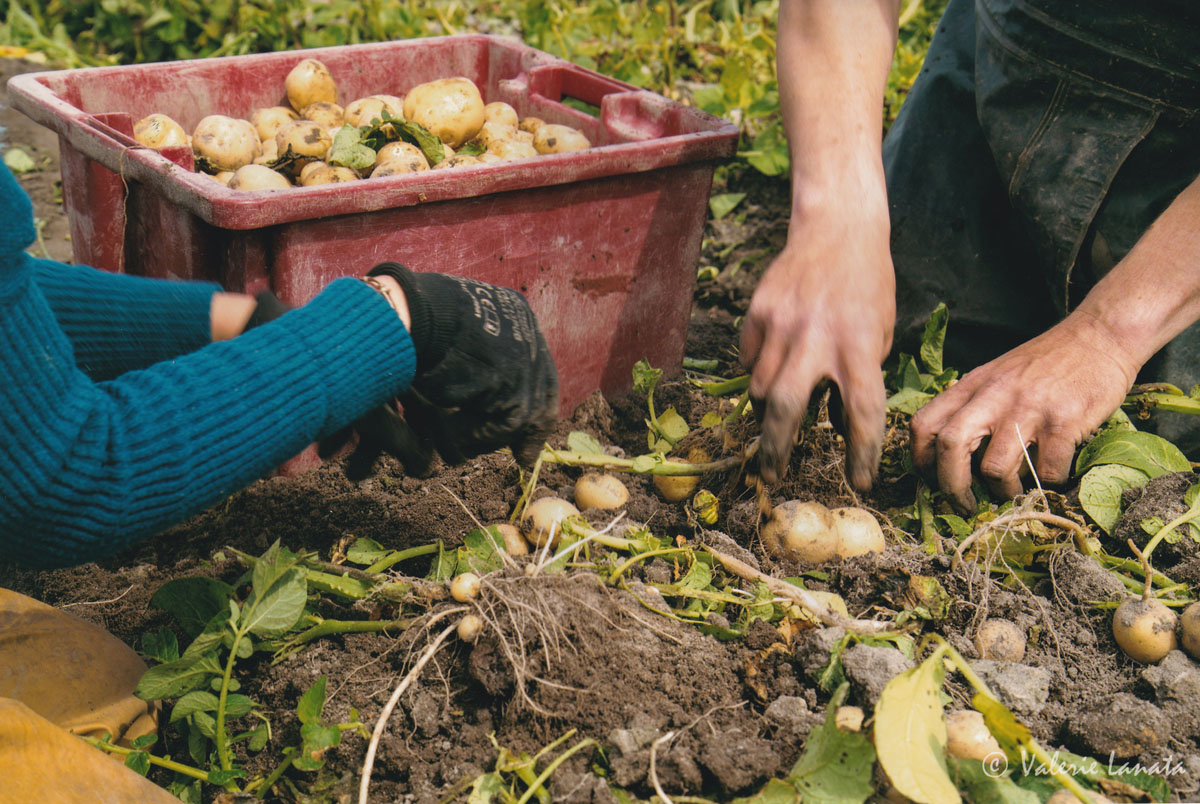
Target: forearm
point(833, 63)
point(1154, 293)
point(118, 323)
point(89, 468)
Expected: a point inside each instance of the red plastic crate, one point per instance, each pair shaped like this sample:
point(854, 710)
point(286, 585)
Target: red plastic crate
point(602, 242)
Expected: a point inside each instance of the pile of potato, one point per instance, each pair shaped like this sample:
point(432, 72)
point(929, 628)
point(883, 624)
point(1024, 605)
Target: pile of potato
point(249, 154)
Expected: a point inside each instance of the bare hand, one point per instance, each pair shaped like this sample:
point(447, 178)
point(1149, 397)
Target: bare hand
point(824, 310)
point(1057, 388)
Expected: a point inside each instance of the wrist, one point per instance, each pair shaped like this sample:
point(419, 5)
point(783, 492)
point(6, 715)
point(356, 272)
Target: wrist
point(391, 291)
point(1126, 350)
point(229, 313)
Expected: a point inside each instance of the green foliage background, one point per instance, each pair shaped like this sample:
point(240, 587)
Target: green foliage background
point(716, 54)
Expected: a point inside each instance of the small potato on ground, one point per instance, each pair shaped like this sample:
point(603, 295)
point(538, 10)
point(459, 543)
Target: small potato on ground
point(1144, 629)
point(600, 490)
point(514, 542)
point(1189, 630)
point(469, 627)
point(465, 587)
point(967, 736)
point(543, 520)
point(801, 531)
point(858, 532)
point(1001, 640)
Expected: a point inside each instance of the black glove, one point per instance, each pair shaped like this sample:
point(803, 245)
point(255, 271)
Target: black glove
point(485, 378)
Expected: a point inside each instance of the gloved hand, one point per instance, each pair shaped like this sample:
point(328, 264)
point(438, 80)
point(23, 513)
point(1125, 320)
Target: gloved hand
point(484, 378)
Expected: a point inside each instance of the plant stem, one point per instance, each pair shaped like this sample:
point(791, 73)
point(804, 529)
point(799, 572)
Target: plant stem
point(270, 781)
point(169, 764)
point(735, 386)
point(330, 627)
point(553, 766)
point(1159, 400)
point(220, 738)
point(620, 570)
point(694, 364)
point(402, 555)
point(671, 468)
point(1187, 516)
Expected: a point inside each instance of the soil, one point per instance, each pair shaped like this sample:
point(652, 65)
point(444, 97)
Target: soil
point(570, 652)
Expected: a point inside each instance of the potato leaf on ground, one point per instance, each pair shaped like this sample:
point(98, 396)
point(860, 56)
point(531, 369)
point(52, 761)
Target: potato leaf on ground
point(192, 601)
point(583, 443)
point(835, 767)
point(1147, 452)
point(910, 734)
point(1101, 488)
point(724, 203)
point(982, 787)
point(934, 340)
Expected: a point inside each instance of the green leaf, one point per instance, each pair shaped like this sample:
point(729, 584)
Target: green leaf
point(698, 577)
point(775, 791)
point(349, 151)
point(18, 161)
point(138, 762)
point(835, 767)
point(258, 738)
point(1009, 732)
point(644, 463)
point(583, 443)
point(908, 400)
point(210, 638)
point(420, 136)
point(192, 601)
point(145, 741)
point(1145, 451)
point(721, 205)
point(280, 591)
point(981, 787)
point(959, 528)
point(197, 701)
point(480, 552)
point(160, 645)
point(672, 426)
point(221, 777)
point(486, 787)
point(312, 702)
point(934, 339)
point(645, 378)
point(366, 552)
point(173, 679)
point(443, 565)
point(711, 419)
point(238, 705)
point(910, 734)
point(1100, 491)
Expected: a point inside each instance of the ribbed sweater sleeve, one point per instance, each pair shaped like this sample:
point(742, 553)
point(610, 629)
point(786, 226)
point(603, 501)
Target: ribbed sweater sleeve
point(87, 468)
point(117, 323)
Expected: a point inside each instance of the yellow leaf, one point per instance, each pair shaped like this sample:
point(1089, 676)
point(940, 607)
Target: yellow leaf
point(910, 734)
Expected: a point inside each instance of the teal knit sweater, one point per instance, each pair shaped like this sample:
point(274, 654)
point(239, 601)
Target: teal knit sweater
point(118, 417)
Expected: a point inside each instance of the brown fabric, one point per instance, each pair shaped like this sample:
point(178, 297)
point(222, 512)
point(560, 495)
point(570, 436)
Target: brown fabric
point(61, 675)
point(39, 762)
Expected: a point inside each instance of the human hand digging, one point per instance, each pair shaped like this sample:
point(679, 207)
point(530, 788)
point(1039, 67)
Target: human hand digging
point(823, 310)
point(484, 377)
point(1057, 388)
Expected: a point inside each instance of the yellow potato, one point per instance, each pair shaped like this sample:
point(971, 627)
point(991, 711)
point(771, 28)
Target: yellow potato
point(310, 81)
point(451, 108)
point(554, 139)
point(159, 131)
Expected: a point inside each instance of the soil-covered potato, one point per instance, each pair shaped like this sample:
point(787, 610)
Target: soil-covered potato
point(493, 131)
point(543, 519)
point(1001, 640)
point(400, 164)
point(322, 173)
point(458, 160)
point(400, 149)
point(801, 531)
point(1144, 629)
point(451, 108)
point(531, 124)
point(325, 114)
point(308, 82)
point(555, 139)
point(858, 532)
point(257, 177)
point(159, 131)
point(1189, 630)
point(600, 490)
point(269, 120)
point(500, 113)
point(362, 111)
point(226, 142)
point(303, 138)
point(514, 542)
point(967, 736)
point(510, 150)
